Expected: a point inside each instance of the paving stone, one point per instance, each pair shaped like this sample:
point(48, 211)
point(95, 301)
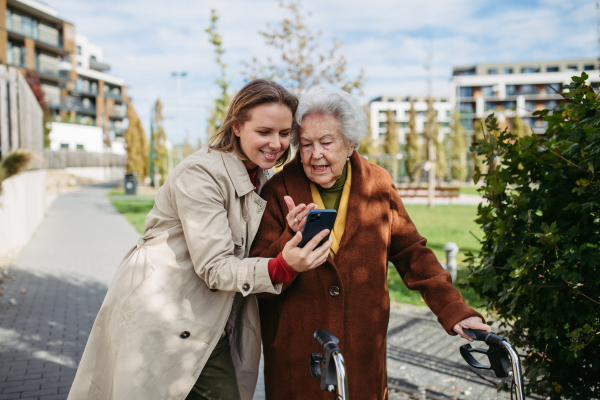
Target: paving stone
point(66, 268)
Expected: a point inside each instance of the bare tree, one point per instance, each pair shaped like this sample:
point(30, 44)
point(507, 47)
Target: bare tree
point(219, 110)
point(303, 64)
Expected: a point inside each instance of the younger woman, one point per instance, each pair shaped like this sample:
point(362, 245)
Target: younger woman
point(180, 319)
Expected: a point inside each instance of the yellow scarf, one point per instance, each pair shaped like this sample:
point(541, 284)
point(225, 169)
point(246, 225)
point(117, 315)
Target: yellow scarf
point(340, 221)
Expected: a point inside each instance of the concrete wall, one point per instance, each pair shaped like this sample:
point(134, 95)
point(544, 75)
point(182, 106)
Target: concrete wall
point(90, 137)
point(102, 174)
point(22, 208)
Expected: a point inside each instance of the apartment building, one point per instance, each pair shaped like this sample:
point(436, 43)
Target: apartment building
point(400, 106)
point(514, 89)
point(73, 75)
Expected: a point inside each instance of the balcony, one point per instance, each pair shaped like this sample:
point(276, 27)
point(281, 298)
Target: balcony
point(116, 96)
point(99, 66)
point(46, 37)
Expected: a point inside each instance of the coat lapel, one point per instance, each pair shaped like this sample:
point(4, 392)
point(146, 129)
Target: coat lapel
point(359, 195)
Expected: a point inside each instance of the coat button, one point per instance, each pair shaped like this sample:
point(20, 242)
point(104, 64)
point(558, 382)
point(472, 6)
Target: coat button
point(246, 287)
point(184, 334)
point(334, 291)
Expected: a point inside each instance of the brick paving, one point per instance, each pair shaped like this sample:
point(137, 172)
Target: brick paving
point(60, 279)
point(58, 283)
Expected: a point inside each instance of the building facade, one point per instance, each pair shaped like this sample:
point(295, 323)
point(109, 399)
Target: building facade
point(400, 106)
point(71, 70)
point(514, 89)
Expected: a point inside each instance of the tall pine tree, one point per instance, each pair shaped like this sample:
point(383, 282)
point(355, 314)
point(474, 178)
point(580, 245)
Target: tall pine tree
point(390, 145)
point(458, 155)
point(137, 145)
point(159, 141)
point(413, 158)
point(367, 146)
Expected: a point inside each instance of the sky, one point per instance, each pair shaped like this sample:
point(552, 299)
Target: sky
point(144, 41)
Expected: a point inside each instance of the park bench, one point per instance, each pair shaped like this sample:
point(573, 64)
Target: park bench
point(450, 192)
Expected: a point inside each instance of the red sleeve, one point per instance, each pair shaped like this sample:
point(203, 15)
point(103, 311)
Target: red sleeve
point(279, 271)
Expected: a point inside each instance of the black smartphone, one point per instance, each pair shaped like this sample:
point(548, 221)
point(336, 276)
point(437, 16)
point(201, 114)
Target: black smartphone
point(317, 221)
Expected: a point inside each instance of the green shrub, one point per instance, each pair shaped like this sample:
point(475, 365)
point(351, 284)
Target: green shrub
point(538, 269)
point(14, 163)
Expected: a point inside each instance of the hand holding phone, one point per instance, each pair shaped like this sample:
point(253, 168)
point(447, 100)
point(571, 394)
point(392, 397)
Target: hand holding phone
point(317, 221)
point(310, 257)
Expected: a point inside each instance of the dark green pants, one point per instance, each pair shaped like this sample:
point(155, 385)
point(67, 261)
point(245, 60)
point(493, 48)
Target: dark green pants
point(217, 380)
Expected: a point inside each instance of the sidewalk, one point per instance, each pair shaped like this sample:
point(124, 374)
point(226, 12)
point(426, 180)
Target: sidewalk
point(57, 285)
point(60, 279)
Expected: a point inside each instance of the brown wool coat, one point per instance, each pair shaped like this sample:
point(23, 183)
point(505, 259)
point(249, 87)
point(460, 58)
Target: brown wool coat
point(378, 230)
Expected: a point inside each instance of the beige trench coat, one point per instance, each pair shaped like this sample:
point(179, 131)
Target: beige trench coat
point(181, 276)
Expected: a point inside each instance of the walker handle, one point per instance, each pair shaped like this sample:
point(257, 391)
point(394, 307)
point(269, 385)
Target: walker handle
point(327, 340)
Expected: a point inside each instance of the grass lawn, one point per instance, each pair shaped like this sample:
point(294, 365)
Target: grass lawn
point(469, 190)
point(135, 211)
point(439, 225)
point(444, 224)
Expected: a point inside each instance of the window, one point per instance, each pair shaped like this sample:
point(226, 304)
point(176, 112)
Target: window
point(382, 124)
point(465, 92)
point(530, 106)
point(448, 113)
point(529, 89)
point(444, 124)
point(553, 88)
point(487, 91)
point(79, 147)
point(64, 146)
point(390, 100)
point(464, 72)
point(79, 63)
point(529, 70)
point(466, 107)
point(588, 67)
point(510, 105)
point(493, 71)
point(507, 70)
point(571, 67)
point(422, 113)
point(551, 69)
point(511, 90)
point(93, 58)
point(79, 50)
point(550, 104)
point(489, 105)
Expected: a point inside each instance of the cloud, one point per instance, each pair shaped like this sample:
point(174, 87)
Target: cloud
point(146, 40)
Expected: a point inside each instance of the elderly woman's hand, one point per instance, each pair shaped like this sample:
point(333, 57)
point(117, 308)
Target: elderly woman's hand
point(297, 214)
point(470, 323)
point(302, 259)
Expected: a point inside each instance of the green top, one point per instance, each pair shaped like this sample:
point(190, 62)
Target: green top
point(331, 197)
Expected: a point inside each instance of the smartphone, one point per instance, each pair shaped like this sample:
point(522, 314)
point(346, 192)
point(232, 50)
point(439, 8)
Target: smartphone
point(317, 221)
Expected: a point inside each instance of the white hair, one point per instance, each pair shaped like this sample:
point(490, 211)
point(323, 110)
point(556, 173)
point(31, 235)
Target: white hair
point(351, 117)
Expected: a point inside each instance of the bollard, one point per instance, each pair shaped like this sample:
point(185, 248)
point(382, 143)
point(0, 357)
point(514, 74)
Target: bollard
point(451, 250)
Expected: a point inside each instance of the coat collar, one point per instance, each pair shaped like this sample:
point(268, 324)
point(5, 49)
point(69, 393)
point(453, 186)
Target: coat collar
point(298, 188)
point(239, 175)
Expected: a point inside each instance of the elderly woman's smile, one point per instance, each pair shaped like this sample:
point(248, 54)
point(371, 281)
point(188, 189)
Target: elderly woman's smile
point(323, 149)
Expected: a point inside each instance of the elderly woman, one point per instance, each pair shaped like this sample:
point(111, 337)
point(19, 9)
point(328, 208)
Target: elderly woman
point(348, 294)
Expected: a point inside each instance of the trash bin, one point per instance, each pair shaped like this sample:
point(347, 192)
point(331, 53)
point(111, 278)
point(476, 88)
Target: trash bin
point(131, 183)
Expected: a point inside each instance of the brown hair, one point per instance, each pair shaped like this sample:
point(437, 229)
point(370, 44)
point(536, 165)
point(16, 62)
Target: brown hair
point(255, 93)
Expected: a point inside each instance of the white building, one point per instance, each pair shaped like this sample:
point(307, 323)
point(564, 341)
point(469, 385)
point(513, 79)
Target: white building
point(518, 88)
point(400, 105)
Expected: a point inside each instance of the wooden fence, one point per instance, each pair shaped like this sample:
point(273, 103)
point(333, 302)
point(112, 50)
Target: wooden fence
point(21, 117)
point(70, 159)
